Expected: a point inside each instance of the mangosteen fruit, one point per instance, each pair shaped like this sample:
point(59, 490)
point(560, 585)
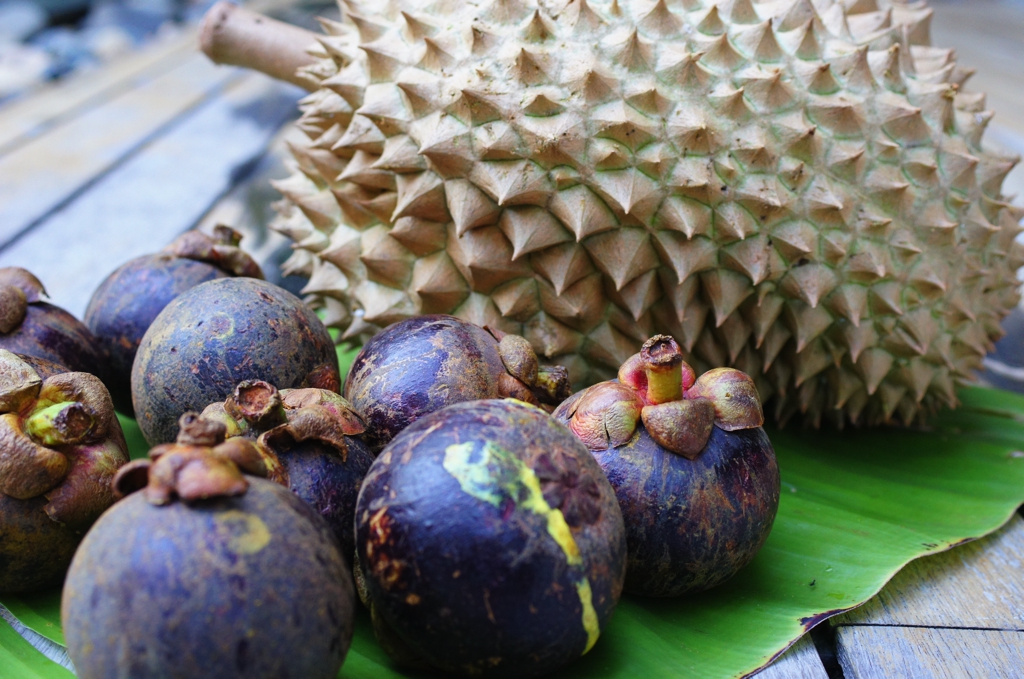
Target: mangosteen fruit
point(490, 542)
point(60, 446)
point(207, 572)
point(423, 364)
point(310, 442)
point(693, 471)
point(220, 333)
point(125, 304)
point(32, 327)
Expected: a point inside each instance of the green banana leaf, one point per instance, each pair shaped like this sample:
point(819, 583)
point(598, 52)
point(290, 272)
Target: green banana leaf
point(856, 506)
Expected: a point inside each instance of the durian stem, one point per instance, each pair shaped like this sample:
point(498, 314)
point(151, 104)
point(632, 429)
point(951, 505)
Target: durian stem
point(236, 36)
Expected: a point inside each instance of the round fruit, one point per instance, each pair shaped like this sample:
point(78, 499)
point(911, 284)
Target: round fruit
point(125, 304)
point(32, 327)
point(796, 188)
point(60, 446)
point(207, 573)
point(490, 542)
point(218, 334)
point(310, 442)
point(693, 471)
point(423, 364)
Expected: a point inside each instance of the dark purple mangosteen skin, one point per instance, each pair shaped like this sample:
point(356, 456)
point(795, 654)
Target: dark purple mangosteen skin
point(34, 549)
point(416, 367)
point(220, 333)
point(127, 302)
point(691, 524)
point(50, 333)
point(173, 591)
point(473, 587)
point(318, 475)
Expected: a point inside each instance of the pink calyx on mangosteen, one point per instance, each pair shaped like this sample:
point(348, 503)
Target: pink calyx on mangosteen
point(693, 471)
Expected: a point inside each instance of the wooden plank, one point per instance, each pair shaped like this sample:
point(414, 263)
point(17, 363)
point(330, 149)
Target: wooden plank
point(39, 176)
point(142, 204)
point(885, 652)
point(24, 119)
point(979, 584)
point(799, 662)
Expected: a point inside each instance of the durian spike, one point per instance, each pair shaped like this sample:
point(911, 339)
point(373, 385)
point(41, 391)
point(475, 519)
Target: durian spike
point(236, 36)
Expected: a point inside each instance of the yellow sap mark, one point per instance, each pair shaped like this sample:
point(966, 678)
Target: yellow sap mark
point(590, 623)
point(497, 474)
point(246, 534)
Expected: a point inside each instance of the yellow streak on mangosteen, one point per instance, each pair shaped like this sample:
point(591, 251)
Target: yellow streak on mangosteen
point(245, 533)
point(498, 474)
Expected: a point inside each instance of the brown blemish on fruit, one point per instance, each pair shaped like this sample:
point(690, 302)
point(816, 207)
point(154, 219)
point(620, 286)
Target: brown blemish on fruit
point(387, 570)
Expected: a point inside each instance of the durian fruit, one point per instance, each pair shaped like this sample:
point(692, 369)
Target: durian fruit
point(796, 188)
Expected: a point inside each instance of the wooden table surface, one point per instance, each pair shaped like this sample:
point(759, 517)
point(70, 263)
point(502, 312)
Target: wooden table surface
point(115, 163)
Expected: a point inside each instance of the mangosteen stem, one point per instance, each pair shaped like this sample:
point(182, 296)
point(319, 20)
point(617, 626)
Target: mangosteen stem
point(60, 424)
point(663, 360)
point(259, 403)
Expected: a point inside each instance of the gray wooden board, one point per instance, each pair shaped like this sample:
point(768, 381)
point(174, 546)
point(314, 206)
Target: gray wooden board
point(869, 652)
point(801, 661)
point(25, 119)
point(40, 176)
point(980, 584)
point(161, 191)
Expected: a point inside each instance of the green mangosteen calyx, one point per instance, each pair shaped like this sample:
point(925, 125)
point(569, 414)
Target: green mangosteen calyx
point(221, 250)
point(200, 465)
point(524, 378)
point(58, 438)
point(657, 387)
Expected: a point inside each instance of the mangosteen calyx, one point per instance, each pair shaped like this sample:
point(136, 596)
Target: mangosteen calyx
point(525, 379)
point(18, 289)
point(221, 250)
point(58, 438)
point(678, 409)
point(277, 420)
point(200, 465)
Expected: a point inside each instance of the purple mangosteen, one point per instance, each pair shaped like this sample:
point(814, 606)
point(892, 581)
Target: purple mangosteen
point(220, 333)
point(127, 302)
point(310, 441)
point(423, 364)
point(207, 573)
point(693, 471)
point(32, 327)
point(489, 542)
point(60, 446)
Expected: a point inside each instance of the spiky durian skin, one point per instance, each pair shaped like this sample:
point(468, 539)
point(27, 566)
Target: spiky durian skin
point(793, 187)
